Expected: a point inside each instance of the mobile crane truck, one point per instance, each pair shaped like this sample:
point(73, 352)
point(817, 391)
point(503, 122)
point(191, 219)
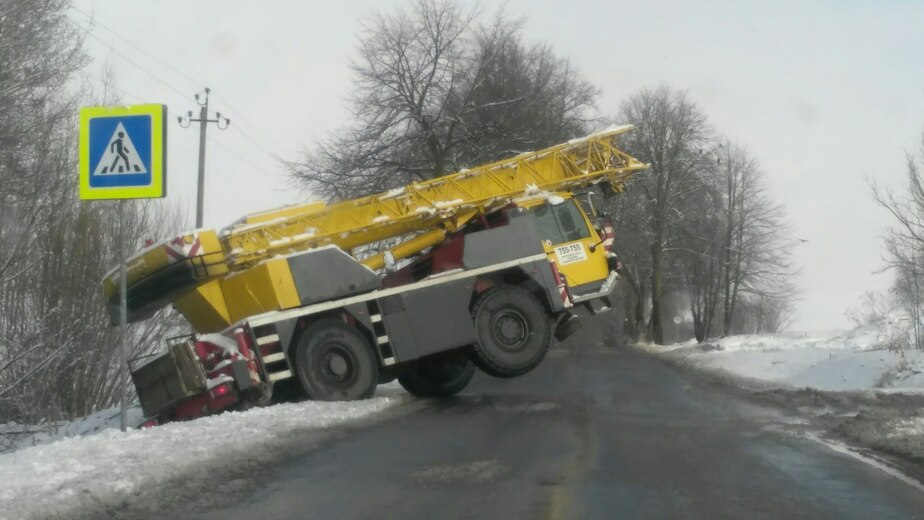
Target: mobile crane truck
point(486, 266)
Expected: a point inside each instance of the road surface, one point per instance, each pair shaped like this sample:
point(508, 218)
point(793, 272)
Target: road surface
point(590, 434)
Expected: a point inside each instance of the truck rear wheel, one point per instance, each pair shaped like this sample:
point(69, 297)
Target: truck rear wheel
point(439, 375)
point(335, 362)
point(513, 330)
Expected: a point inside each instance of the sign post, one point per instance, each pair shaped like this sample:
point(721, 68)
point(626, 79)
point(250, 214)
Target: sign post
point(123, 321)
point(123, 152)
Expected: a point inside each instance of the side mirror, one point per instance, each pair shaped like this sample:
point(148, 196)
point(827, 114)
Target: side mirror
point(604, 228)
point(587, 203)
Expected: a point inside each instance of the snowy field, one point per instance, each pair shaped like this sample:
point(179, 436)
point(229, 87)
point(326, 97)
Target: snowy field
point(864, 358)
point(106, 466)
point(866, 366)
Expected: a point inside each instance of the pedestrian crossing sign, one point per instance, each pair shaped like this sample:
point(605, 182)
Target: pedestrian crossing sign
point(123, 152)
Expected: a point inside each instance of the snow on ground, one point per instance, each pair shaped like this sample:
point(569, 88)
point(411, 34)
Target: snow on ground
point(821, 367)
point(900, 434)
point(864, 358)
point(16, 436)
point(908, 427)
point(873, 362)
point(54, 478)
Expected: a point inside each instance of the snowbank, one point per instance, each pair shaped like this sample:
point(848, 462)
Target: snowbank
point(862, 359)
point(55, 478)
point(882, 430)
point(884, 383)
point(825, 367)
point(15, 436)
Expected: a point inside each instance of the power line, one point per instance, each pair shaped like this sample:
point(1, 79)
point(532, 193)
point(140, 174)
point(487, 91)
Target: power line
point(231, 151)
point(254, 141)
point(110, 85)
point(173, 114)
point(245, 120)
point(137, 47)
point(240, 115)
point(14, 8)
point(240, 157)
point(129, 60)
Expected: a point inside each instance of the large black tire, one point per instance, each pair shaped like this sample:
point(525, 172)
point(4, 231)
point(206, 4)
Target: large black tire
point(386, 376)
point(334, 362)
point(514, 331)
point(439, 375)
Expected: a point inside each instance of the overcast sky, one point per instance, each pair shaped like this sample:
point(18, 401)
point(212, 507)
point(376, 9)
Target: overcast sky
point(826, 94)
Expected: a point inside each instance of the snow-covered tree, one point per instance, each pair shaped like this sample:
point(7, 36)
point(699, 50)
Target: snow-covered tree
point(57, 349)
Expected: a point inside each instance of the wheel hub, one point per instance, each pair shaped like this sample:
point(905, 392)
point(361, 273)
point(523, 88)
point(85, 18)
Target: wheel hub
point(509, 330)
point(337, 365)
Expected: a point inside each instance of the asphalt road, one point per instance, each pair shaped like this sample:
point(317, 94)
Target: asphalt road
point(589, 434)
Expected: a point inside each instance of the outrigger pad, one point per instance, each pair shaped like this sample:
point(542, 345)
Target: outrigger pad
point(169, 378)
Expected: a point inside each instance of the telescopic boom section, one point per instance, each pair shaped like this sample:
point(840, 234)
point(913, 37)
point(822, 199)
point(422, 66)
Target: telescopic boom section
point(445, 202)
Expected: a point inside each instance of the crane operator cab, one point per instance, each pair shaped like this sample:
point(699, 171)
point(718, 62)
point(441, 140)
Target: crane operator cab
point(573, 243)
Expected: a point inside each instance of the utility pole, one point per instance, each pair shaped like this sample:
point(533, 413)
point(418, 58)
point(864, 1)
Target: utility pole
point(203, 121)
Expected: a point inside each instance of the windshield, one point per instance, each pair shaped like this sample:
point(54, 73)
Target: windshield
point(561, 223)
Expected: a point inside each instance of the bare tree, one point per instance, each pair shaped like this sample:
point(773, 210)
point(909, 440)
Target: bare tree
point(629, 219)
point(700, 222)
point(907, 290)
point(757, 242)
point(39, 50)
point(698, 258)
point(436, 91)
point(873, 307)
point(58, 353)
point(763, 314)
point(904, 243)
point(57, 349)
point(670, 134)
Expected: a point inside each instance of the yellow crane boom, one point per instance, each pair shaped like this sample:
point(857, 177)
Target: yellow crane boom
point(446, 202)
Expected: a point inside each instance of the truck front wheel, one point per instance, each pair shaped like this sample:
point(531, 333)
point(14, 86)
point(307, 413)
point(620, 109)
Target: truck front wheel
point(513, 330)
point(335, 362)
point(439, 375)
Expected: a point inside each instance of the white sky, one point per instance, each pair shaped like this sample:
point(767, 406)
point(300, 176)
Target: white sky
point(826, 94)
